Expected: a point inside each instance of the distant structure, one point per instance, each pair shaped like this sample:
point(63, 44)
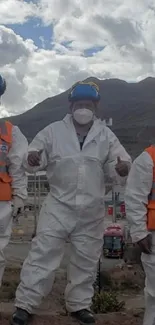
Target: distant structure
point(37, 182)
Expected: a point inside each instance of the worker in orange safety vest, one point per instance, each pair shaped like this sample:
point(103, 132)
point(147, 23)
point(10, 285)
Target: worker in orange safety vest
point(13, 180)
point(140, 211)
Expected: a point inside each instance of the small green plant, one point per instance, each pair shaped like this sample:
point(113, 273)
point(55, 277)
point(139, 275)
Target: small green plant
point(106, 302)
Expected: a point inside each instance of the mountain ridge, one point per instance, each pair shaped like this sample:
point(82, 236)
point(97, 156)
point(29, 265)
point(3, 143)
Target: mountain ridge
point(131, 105)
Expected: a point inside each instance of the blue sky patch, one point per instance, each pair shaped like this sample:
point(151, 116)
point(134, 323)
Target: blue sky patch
point(33, 29)
point(66, 43)
point(93, 50)
point(43, 35)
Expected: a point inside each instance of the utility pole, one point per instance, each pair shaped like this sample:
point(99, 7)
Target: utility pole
point(114, 203)
point(109, 123)
point(35, 204)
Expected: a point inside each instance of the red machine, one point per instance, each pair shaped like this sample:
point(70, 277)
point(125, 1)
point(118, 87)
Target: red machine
point(114, 240)
point(110, 210)
point(122, 209)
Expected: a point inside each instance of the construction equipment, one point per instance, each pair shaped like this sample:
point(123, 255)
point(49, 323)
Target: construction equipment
point(114, 240)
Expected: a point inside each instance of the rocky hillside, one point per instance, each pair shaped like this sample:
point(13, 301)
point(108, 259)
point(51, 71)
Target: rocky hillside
point(131, 105)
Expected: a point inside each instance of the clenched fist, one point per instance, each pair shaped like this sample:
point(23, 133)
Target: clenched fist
point(122, 167)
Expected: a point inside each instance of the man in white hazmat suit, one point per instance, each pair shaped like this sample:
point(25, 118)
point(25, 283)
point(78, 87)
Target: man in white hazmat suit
point(74, 152)
point(13, 180)
point(140, 209)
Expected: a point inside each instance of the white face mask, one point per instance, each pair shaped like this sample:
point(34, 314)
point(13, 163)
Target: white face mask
point(83, 116)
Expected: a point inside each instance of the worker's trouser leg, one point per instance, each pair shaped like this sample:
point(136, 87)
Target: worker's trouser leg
point(149, 268)
point(38, 272)
point(86, 246)
point(5, 232)
point(56, 221)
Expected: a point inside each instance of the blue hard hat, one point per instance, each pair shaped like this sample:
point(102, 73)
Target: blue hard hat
point(2, 85)
point(84, 91)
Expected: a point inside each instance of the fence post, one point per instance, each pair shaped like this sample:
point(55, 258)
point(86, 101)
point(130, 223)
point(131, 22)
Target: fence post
point(35, 204)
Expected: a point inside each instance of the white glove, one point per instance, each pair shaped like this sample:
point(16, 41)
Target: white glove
point(18, 206)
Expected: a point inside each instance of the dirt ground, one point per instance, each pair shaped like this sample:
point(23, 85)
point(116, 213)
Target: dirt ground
point(55, 301)
point(111, 319)
point(127, 282)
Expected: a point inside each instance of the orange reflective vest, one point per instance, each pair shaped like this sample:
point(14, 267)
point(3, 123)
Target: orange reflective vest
point(5, 144)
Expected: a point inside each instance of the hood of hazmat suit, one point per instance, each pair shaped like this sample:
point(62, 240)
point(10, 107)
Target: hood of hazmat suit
point(2, 86)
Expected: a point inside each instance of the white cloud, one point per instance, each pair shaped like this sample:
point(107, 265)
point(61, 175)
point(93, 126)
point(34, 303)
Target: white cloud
point(12, 46)
point(16, 11)
point(124, 29)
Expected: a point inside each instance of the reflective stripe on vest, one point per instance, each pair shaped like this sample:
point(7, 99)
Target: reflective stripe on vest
point(3, 150)
point(5, 144)
point(3, 169)
point(151, 197)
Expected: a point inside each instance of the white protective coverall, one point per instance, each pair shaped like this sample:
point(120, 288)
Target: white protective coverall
point(19, 187)
point(138, 188)
point(74, 208)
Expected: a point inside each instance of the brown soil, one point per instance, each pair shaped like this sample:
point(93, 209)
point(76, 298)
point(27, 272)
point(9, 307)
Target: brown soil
point(129, 277)
point(111, 319)
point(55, 301)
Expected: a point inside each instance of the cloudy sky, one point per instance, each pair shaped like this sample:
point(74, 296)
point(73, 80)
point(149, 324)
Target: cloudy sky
point(47, 45)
